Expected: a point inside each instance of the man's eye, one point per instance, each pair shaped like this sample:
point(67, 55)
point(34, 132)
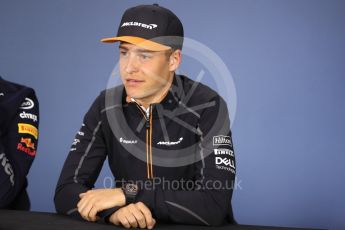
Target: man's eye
point(123, 53)
point(145, 56)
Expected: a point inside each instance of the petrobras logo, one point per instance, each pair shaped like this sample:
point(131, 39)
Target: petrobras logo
point(30, 116)
point(27, 104)
point(222, 140)
point(168, 143)
point(7, 167)
point(139, 24)
point(223, 152)
point(122, 140)
point(28, 129)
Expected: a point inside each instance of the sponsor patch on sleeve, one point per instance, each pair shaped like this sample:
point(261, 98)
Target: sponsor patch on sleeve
point(27, 146)
point(27, 104)
point(30, 116)
point(28, 129)
point(224, 152)
point(222, 140)
point(227, 164)
point(28, 142)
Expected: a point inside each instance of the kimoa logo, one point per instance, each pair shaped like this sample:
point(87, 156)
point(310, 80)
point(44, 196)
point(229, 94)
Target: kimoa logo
point(170, 142)
point(127, 141)
point(146, 26)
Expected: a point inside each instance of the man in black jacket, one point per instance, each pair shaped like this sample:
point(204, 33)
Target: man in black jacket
point(167, 138)
point(18, 142)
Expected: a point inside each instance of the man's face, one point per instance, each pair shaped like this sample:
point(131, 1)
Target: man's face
point(144, 73)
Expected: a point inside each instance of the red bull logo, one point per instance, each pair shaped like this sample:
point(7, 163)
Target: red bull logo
point(28, 143)
point(27, 146)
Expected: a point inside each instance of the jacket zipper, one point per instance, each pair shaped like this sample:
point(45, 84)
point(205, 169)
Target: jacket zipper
point(148, 126)
point(150, 142)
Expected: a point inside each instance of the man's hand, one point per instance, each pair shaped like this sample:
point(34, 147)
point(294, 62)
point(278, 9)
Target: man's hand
point(94, 201)
point(134, 215)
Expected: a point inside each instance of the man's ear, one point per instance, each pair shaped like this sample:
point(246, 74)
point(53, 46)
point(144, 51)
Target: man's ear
point(175, 60)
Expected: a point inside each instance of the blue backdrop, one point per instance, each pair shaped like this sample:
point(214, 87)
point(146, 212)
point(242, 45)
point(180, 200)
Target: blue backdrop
point(287, 64)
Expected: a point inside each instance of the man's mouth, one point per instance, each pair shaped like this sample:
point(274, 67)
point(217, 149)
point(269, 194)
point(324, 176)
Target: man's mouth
point(133, 82)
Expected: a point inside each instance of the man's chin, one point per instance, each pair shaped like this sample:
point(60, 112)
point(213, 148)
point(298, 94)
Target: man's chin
point(135, 93)
point(131, 92)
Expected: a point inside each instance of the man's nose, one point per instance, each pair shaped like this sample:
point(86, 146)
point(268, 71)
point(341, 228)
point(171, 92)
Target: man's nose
point(132, 63)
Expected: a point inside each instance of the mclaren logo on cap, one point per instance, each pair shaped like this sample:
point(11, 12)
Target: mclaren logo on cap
point(146, 26)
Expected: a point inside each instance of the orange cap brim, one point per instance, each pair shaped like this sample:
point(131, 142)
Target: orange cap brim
point(142, 42)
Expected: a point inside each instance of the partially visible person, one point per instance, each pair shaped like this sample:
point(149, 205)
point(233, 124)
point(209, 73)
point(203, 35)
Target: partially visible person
point(19, 119)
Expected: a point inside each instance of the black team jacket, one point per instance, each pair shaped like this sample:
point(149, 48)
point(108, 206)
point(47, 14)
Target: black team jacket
point(179, 153)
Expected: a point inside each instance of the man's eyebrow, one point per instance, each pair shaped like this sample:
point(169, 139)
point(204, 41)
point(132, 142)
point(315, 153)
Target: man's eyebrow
point(123, 47)
point(137, 50)
point(145, 51)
